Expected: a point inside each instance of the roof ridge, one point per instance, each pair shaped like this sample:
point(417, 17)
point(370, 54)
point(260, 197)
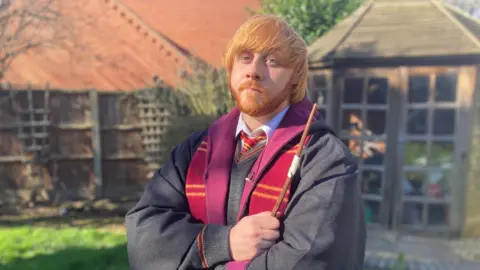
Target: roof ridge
point(440, 6)
point(133, 18)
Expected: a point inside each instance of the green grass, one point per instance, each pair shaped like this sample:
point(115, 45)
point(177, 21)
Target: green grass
point(45, 248)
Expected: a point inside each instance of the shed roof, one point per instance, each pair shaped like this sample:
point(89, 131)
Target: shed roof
point(385, 29)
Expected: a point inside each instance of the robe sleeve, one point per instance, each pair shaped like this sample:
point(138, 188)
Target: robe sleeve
point(324, 225)
point(161, 233)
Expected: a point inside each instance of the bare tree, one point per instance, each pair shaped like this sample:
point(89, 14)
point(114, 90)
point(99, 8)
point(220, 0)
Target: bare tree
point(26, 25)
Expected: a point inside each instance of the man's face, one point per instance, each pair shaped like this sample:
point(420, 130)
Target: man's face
point(260, 83)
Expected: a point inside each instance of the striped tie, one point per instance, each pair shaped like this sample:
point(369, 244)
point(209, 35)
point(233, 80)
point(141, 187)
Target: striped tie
point(251, 145)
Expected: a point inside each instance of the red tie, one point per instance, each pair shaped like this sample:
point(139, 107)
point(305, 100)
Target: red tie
point(250, 142)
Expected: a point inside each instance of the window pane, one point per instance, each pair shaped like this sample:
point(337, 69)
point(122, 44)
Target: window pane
point(412, 213)
point(415, 153)
point(413, 183)
point(320, 88)
point(373, 152)
point(441, 153)
point(372, 211)
point(376, 122)
point(323, 113)
point(377, 91)
point(352, 122)
point(322, 97)
point(444, 121)
point(320, 81)
point(417, 121)
point(437, 214)
point(418, 89)
point(353, 92)
point(438, 184)
point(446, 86)
point(372, 182)
point(354, 145)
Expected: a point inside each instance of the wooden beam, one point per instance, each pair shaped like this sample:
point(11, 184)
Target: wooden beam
point(96, 144)
point(469, 190)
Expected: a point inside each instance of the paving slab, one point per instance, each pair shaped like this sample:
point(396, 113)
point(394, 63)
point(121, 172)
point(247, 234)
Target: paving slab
point(428, 253)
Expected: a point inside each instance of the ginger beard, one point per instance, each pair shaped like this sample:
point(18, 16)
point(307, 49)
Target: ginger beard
point(258, 103)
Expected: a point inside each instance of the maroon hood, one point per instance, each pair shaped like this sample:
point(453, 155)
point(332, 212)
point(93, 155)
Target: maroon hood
point(221, 145)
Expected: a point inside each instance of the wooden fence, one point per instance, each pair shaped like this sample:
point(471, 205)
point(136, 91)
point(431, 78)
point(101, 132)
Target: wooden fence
point(62, 145)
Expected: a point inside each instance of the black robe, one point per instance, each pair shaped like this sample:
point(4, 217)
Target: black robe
point(323, 226)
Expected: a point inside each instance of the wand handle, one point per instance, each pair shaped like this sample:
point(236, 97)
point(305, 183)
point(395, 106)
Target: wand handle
point(295, 163)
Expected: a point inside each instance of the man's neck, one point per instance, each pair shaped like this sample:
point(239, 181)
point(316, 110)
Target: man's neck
point(255, 122)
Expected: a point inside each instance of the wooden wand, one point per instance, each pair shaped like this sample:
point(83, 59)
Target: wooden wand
point(295, 162)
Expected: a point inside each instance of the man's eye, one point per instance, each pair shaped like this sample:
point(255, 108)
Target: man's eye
point(245, 56)
point(272, 61)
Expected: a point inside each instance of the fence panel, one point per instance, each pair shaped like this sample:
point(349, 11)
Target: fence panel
point(68, 145)
point(124, 171)
point(70, 152)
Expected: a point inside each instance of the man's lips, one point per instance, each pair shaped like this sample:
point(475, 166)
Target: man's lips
point(250, 89)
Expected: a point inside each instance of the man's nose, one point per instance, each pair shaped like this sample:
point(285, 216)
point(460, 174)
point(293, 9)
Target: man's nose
point(255, 71)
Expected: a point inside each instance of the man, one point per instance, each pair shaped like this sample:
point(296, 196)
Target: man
point(209, 206)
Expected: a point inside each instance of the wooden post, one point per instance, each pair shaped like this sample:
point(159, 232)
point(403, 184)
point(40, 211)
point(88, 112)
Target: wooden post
point(470, 190)
point(96, 144)
point(398, 92)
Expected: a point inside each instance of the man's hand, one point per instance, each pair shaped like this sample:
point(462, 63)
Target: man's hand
point(252, 235)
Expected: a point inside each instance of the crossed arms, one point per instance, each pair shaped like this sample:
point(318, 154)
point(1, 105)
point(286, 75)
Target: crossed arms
point(323, 226)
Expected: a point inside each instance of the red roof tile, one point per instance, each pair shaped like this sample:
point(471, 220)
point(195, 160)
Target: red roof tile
point(120, 47)
point(201, 27)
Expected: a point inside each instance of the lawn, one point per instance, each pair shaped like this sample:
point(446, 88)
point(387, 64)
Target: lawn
point(47, 241)
point(69, 248)
point(64, 248)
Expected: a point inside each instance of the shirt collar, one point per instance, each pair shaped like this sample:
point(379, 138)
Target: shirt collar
point(268, 128)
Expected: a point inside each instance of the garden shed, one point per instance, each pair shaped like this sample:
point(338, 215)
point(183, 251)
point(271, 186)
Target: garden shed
point(399, 81)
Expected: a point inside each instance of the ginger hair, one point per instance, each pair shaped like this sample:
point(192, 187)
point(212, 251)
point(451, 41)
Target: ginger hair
point(269, 33)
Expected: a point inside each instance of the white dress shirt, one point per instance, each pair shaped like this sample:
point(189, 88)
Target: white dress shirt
point(268, 127)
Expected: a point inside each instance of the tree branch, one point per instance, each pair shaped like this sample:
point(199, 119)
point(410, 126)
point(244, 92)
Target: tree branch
point(27, 25)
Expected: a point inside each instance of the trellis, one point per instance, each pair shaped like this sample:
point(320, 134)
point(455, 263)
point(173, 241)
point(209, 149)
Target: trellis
point(90, 153)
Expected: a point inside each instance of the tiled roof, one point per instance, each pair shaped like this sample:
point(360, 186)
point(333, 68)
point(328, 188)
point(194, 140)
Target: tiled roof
point(201, 27)
point(120, 45)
